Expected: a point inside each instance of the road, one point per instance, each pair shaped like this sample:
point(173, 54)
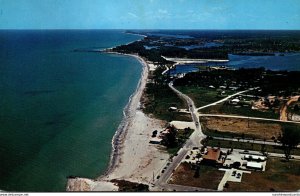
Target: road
point(247, 117)
point(283, 112)
point(194, 140)
point(226, 98)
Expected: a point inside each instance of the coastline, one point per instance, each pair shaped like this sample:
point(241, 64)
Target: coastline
point(128, 113)
point(131, 139)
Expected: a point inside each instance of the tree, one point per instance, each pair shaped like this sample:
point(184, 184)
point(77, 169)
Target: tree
point(197, 172)
point(236, 165)
point(170, 138)
point(296, 108)
point(289, 139)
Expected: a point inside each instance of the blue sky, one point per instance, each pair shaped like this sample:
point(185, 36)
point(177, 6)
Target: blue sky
point(150, 14)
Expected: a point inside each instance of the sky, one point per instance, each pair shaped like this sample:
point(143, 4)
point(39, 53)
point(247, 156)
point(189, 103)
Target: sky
point(150, 14)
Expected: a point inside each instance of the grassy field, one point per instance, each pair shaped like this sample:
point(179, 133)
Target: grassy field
point(200, 95)
point(242, 111)
point(279, 176)
point(228, 127)
point(248, 146)
point(157, 100)
point(209, 178)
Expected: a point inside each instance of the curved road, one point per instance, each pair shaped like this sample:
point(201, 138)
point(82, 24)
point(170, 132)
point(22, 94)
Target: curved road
point(193, 141)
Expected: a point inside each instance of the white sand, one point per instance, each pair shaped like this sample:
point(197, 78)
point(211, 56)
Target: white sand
point(85, 184)
point(139, 158)
point(134, 159)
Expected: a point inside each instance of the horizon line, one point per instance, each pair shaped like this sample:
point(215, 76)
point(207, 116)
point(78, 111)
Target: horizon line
point(151, 29)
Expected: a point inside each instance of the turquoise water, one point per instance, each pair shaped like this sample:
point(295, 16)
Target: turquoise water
point(59, 109)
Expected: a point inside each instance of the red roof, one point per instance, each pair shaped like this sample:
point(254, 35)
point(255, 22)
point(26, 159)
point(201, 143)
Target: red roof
point(212, 154)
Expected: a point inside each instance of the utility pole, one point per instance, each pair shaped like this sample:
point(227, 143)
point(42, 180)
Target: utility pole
point(153, 177)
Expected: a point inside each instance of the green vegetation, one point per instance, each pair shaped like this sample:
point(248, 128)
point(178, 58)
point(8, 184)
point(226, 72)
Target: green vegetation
point(224, 108)
point(201, 95)
point(289, 139)
point(159, 98)
point(294, 108)
point(175, 139)
point(277, 83)
point(216, 133)
point(127, 186)
point(248, 146)
point(279, 176)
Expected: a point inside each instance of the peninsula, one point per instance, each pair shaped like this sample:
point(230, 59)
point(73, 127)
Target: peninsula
point(212, 127)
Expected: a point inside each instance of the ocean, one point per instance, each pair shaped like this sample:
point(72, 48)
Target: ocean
point(60, 104)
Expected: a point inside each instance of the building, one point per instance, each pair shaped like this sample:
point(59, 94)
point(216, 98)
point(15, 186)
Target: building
point(254, 165)
point(254, 157)
point(212, 156)
point(155, 140)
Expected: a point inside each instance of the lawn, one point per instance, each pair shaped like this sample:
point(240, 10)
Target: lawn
point(279, 176)
point(209, 178)
point(242, 111)
point(201, 95)
point(157, 99)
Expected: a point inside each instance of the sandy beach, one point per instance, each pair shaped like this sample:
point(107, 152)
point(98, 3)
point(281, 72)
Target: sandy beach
point(133, 158)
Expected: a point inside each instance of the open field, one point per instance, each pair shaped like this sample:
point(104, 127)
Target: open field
point(248, 146)
point(209, 178)
point(158, 98)
point(202, 96)
point(237, 127)
point(243, 111)
point(279, 176)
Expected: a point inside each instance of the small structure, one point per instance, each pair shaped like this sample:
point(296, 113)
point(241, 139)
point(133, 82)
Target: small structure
point(254, 158)
point(212, 156)
point(172, 109)
point(254, 165)
point(155, 140)
point(235, 101)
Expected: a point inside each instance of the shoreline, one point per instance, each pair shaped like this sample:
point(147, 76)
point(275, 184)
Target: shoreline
point(132, 157)
point(128, 114)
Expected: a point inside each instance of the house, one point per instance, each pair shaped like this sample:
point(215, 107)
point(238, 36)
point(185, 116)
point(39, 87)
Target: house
point(234, 101)
point(254, 165)
point(212, 156)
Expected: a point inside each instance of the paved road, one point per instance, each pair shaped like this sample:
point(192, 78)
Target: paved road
point(194, 140)
point(283, 112)
point(247, 117)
